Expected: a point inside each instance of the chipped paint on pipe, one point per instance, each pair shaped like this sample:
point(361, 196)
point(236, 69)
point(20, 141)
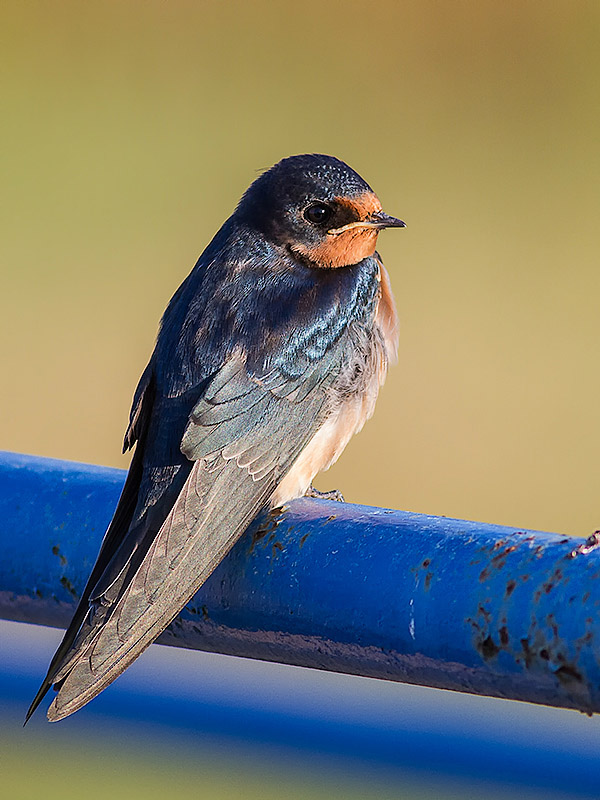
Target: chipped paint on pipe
point(388, 594)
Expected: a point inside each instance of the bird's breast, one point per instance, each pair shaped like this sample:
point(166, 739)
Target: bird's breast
point(352, 396)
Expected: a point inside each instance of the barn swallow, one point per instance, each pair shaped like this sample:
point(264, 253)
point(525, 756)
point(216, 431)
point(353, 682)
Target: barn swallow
point(268, 359)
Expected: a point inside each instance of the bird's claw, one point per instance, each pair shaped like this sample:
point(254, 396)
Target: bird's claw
point(334, 494)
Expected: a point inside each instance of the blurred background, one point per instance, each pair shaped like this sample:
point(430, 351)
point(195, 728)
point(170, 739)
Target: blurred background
point(131, 129)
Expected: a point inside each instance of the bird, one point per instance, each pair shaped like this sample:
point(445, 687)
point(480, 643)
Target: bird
point(269, 357)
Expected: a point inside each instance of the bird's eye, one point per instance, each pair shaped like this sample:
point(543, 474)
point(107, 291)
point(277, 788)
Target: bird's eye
point(318, 213)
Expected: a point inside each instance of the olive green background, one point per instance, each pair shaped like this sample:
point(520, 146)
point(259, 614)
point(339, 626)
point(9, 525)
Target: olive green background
point(129, 131)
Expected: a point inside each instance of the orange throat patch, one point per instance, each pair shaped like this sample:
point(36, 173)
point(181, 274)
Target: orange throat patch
point(352, 243)
point(346, 248)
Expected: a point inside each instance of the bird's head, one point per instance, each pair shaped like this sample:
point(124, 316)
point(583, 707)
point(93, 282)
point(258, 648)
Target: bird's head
point(319, 208)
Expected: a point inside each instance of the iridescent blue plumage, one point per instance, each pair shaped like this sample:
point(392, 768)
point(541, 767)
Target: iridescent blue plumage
point(257, 352)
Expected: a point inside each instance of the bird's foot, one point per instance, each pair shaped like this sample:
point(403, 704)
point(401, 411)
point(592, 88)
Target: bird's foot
point(334, 494)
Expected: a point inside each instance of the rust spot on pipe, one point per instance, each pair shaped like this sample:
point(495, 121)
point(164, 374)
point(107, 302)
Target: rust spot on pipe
point(551, 622)
point(484, 575)
point(267, 528)
point(567, 674)
point(527, 652)
point(510, 587)
point(500, 558)
point(500, 543)
point(277, 546)
point(66, 583)
point(56, 552)
point(256, 537)
point(487, 648)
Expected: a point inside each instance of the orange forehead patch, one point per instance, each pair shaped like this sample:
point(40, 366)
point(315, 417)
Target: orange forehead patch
point(363, 205)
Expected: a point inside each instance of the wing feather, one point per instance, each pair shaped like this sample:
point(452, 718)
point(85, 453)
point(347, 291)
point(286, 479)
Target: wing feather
point(243, 438)
point(138, 426)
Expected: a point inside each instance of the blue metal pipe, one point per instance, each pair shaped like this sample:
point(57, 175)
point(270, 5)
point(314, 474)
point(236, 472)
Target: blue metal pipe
point(388, 594)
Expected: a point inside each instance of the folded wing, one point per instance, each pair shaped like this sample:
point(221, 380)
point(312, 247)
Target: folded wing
point(243, 436)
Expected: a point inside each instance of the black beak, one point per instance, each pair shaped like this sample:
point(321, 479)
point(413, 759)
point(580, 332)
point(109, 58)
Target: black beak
point(382, 220)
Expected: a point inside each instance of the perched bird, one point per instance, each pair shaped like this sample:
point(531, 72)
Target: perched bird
point(269, 358)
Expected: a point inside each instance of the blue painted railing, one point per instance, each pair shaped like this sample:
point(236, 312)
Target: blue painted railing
point(447, 603)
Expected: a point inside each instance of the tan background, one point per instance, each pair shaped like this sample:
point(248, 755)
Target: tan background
point(130, 130)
